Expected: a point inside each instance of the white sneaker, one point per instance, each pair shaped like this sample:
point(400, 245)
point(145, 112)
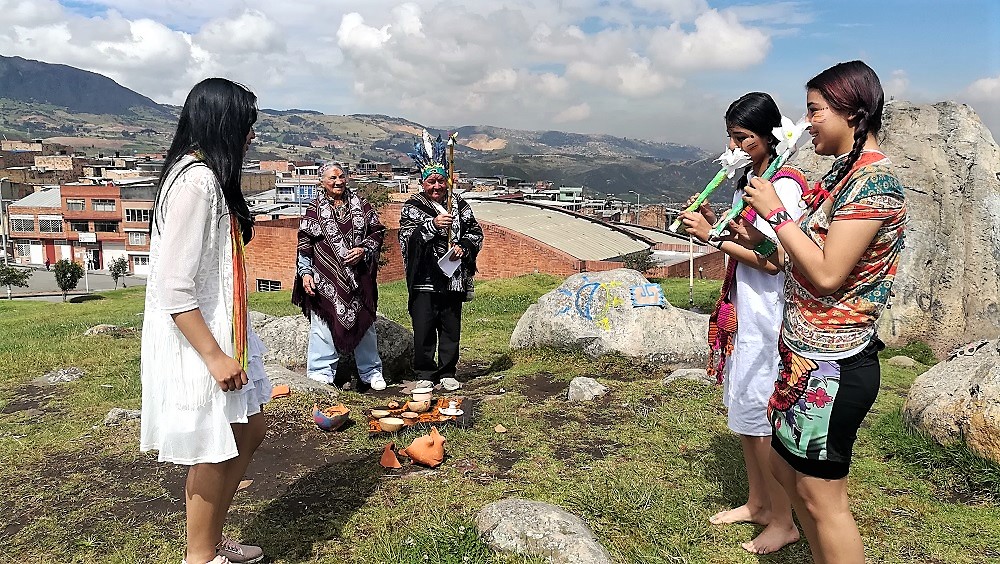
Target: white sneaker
point(220, 559)
point(450, 384)
point(377, 383)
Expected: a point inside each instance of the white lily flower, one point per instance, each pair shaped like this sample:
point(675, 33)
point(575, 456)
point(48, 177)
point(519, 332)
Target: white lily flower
point(733, 160)
point(790, 135)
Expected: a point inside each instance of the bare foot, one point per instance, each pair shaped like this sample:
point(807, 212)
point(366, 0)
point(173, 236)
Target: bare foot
point(741, 514)
point(772, 539)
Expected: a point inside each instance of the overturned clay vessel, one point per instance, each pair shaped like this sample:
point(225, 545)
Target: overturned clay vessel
point(427, 450)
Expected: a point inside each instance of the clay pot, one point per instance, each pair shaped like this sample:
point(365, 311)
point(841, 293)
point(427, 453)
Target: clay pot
point(427, 450)
point(390, 424)
point(331, 418)
point(423, 394)
point(380, 413)
point(410, 417)
point(389, 459)
point(418, 406)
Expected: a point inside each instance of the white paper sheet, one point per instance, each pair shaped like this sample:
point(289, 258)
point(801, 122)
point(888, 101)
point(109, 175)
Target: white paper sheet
point(449, 263)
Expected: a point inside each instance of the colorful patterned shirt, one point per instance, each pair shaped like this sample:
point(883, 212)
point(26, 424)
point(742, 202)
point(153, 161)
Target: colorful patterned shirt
point(838, 325)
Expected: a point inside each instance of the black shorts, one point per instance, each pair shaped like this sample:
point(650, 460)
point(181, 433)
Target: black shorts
point(817, 408)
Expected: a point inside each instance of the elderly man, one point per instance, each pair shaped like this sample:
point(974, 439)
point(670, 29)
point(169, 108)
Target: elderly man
point(427, 232)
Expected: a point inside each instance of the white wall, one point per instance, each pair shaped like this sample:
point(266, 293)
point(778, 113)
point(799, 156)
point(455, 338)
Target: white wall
point(111, 251)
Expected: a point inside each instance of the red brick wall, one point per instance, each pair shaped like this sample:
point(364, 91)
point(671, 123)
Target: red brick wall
point(271, 252)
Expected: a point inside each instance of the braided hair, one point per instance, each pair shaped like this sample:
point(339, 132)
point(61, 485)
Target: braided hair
point(756, 112)
point(853, 90)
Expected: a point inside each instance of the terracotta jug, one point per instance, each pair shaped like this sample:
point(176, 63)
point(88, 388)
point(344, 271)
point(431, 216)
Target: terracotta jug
point(427, 450)
point(389, 459)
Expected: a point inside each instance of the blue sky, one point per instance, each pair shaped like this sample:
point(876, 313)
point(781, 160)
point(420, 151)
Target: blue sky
point(655, 69)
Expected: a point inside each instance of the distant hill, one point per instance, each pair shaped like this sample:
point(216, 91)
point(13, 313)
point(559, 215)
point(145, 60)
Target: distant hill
point(68, 87)
point(95, 114)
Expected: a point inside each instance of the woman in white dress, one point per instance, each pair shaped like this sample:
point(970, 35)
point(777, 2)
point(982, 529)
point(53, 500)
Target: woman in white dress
point(746, 359)
point(203, 381)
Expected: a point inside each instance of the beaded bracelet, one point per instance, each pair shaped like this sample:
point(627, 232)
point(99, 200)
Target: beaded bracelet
point(765, 248)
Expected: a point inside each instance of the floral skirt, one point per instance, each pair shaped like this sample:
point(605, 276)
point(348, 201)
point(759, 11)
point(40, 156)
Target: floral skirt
point(817, 408)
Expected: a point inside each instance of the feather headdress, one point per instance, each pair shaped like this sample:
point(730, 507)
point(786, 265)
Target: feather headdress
point(430, 156)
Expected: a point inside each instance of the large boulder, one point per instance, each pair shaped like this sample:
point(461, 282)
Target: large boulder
point(959, 400)
point(287, 339)
point(539, 529)
point(947, 290)
point(594, 312)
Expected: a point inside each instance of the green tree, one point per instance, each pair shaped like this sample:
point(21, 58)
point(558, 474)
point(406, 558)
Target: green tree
point(640, 260)
point(68, 275)
point(378, 196)
point(12, 276)
point(118, 268)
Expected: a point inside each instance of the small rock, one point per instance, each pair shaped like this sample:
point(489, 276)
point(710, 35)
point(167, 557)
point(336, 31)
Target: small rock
point(903, 361)
point(117, 416)
point(696, 374)
point(100, 330)
point(450, 384)
point(585, 389)
point(296, 382)
point(500, 429)
point(63, 375)
point(540, 529)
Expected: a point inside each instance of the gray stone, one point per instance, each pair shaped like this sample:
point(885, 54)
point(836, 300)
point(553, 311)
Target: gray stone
point(585, 389)
point(539, 529)
point(63, 375)
point(100, 330)
point(695, 374)
point(117, 416)
point(903, 362)
point(287, 340)
point(947, 289)
point(297, 382)
point(593, 312)
point(959, 400)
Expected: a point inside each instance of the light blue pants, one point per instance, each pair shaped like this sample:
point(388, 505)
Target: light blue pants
point(323, 356)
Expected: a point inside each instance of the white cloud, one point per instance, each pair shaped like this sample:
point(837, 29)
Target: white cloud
point(898, 84)
point(683, 10)
point(983, 95)
point(573, 113)
point(719, 41)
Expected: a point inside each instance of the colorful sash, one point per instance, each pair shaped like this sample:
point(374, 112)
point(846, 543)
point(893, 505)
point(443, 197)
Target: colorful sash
point(240, 303)
point(722, 323)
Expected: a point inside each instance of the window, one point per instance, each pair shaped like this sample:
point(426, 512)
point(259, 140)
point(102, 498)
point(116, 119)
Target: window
point(74, 205)
point(133, 214)
point(103, 205)
point(140, 260)
point(106, 226)
point(81, 226)
point(22, 224)
point(22, 249)
point(136, 238)
point(268, 285)
point(50, 225)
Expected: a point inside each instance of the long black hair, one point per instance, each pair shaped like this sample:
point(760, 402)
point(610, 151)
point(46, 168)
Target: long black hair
point(215, 121)
point(853, 90)
point(755, 112)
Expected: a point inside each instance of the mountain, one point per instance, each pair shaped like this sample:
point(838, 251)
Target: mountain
point(68, 87)
point(94, 114)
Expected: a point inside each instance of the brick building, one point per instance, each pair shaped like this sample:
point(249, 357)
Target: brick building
point(520, 238)
point(89, 224)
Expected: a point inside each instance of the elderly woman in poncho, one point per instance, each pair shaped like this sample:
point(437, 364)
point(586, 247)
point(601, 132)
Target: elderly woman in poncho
point(340, 238)
point(427, 232)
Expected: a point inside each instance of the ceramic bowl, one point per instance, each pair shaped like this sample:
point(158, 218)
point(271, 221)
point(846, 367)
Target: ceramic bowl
point(410, 417)
point(380, 413)
point(331, 418)
point(418, 406)
point(390, 424)
point(423, 394)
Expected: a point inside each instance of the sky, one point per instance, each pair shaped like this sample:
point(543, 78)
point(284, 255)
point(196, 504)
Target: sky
point(663, 70)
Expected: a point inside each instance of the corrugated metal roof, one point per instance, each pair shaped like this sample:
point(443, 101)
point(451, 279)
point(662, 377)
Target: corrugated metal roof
point(46, 198)
point(578, 237)
point(654, 234)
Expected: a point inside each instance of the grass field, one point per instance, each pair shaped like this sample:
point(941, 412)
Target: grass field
point(644, 466)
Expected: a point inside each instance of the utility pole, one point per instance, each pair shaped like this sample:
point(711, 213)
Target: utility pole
point(6, 223)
